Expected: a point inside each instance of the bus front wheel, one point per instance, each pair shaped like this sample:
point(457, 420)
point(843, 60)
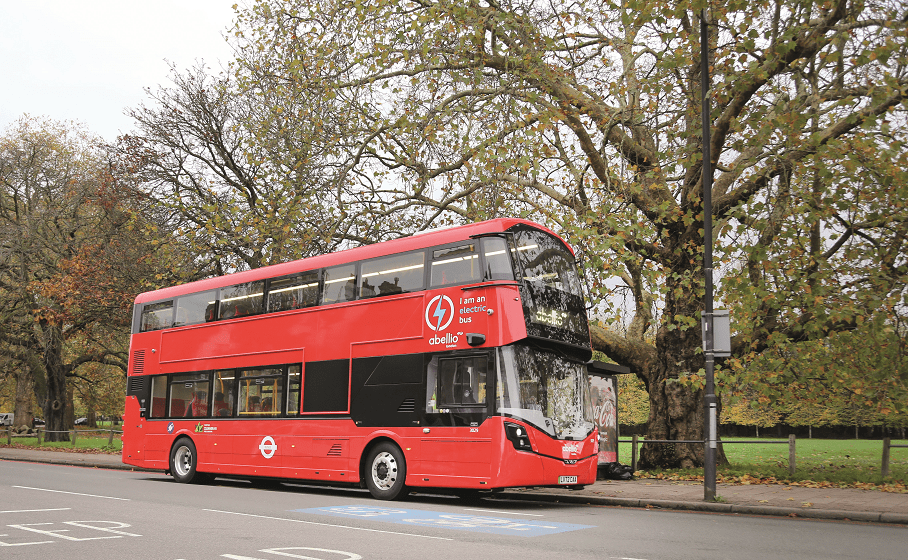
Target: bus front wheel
point(183, 458)
point(386, 471)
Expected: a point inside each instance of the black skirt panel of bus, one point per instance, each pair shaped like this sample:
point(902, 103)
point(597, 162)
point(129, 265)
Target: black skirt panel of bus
point(325, 386)
point(388, 390)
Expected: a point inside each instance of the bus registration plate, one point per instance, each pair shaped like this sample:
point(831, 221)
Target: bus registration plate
point(567, 480)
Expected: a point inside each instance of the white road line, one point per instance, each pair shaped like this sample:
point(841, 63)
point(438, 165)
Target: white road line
point(30, 510)
point(73, 493)
point(327, 524)
point(504, 512)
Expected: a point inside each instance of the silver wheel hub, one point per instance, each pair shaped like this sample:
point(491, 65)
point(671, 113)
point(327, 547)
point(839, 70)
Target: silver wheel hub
point(384, 471)
point(182, 461)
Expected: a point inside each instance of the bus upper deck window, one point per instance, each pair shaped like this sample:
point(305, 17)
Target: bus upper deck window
point(455, 265)
point(293, 292)
point(241, 300)
point(196, 308)
point(340, 284)
point(157, 316)
point(396, 274)
point(497, 263)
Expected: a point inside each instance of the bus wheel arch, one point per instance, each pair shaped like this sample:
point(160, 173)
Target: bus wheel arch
point(384, 470)
point(184, 458)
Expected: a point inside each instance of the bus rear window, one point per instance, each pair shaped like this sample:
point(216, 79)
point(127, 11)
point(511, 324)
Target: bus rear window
point(157, 316)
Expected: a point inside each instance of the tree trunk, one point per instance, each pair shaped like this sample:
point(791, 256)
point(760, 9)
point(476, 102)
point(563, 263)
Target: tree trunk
point(676, 409)
point(55, 405)
point(24, 411)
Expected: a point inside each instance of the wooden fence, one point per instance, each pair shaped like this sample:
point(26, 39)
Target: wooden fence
point(72, 433)
point(791, 441)
point(887, 445)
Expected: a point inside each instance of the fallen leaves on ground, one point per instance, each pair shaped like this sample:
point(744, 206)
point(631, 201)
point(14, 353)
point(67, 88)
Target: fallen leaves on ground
point(744, 480)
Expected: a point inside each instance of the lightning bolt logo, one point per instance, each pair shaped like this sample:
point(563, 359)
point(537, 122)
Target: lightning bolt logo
point(440, 313)
point(437, 312)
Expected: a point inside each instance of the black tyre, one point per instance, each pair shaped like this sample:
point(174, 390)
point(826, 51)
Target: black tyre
point(183, 459)
point(386, 471)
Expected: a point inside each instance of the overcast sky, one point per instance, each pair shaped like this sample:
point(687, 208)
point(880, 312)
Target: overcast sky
point(88, 60)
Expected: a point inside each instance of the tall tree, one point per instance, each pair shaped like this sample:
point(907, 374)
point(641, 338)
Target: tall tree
point(242, 189)
point(73, 253)
point(586, 115)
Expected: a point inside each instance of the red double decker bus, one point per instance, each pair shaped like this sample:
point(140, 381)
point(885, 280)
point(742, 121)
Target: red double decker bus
point(450, 359)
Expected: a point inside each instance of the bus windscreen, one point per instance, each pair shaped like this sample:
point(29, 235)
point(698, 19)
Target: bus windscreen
point(546, 390)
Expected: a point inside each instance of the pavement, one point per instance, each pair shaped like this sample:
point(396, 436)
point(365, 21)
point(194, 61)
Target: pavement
point(850, 504)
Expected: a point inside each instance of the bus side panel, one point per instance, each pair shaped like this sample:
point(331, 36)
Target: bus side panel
point(509, 322)
point(133, 434)
point(369, 328)
point(455, 456)
point(256, 341)
point(314, 449)
point(158, 443)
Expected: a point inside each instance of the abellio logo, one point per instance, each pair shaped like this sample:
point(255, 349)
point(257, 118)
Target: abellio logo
point(439, 313)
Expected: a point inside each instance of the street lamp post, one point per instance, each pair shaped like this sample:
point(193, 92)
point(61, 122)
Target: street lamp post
point(709, 400)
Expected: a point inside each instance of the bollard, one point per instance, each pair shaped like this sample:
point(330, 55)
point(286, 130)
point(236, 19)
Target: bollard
point(9, 435)
point(885, 470)
point(634, 454)
point(791, 454)
point(39, 436)
point(74, 437)
point(110, 439)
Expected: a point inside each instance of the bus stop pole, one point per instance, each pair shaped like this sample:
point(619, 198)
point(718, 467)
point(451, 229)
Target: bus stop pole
point(709, 399)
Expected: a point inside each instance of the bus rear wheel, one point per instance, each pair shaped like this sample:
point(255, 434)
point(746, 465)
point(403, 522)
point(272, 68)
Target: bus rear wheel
point(183, 458)
point(386, 471)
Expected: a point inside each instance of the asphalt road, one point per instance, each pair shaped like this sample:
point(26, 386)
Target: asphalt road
point(49, 511)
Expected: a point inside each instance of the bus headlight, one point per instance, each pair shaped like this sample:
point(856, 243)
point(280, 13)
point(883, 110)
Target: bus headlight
point(518, 436)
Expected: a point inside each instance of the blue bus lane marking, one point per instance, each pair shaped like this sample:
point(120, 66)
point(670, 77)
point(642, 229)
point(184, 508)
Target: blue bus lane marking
point(443, 520)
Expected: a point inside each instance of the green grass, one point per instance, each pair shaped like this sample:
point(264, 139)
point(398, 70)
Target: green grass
point(85, 440)
point(846, 462)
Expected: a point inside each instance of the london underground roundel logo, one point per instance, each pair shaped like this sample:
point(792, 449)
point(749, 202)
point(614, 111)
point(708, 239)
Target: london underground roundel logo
point(268, 447)
point(439, 313)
